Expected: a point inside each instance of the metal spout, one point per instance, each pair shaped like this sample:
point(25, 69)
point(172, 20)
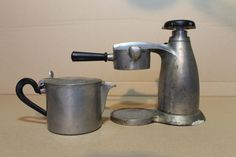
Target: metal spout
point(105, 88)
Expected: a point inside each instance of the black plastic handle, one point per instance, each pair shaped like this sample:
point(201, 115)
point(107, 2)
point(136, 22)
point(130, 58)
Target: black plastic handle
point(19, 92)
point(179, 24)
point(88, 56)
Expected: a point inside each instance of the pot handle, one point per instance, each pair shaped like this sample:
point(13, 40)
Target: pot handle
point(19, 92)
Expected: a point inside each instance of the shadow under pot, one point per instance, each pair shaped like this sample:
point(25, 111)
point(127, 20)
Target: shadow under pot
point(74, 104)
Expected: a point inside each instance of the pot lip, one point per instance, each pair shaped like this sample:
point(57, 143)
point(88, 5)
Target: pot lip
point(69, 80)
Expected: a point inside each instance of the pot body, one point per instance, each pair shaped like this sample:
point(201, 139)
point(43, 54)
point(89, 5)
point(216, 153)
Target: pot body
point(73, 109)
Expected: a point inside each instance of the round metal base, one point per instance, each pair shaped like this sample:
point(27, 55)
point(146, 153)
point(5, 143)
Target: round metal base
point(180, 120)
point(141, 116)
point(133, 116)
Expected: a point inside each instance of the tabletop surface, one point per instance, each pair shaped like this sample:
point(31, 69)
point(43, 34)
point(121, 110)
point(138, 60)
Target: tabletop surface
point(23, 132)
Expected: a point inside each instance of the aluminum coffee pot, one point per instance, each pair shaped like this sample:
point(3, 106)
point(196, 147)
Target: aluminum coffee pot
point(178, 91)
point(74, 104)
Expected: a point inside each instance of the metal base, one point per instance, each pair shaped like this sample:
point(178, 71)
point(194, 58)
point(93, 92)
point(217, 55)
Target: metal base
point(180, 120)
point(141, 116)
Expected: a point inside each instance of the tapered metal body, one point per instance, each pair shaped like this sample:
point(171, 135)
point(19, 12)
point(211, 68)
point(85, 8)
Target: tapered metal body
point(178, 90)
point(178, 82)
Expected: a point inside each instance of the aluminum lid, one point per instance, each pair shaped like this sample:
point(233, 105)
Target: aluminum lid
point(132, 116)
point(71, 81)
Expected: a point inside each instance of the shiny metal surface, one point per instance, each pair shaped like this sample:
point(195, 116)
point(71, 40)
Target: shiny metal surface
point(178, 89)
point(136, 55)
point(179, 82)
point(110, 57)
point(51, 74)
point(75, 105)
point(105, 87)
point(183, 120)
point(71, 81)
point(123, 61)
point(133, 116)
point(142, 116)
point(73, 109)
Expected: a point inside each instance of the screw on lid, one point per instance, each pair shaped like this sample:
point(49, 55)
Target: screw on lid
point(179, 24)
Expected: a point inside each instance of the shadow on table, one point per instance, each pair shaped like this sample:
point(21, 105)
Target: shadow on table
point(43, 120)
point(131, 104)
point(134, 99)
point(124, 154)
point(34, 119)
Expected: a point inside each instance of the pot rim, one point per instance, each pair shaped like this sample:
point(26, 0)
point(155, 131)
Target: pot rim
point(71, 81)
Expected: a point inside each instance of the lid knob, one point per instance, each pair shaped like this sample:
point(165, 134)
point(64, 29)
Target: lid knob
point(179, 24)
point(51, 74)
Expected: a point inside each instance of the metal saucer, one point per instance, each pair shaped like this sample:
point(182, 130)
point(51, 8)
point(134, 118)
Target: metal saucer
point(133, 116)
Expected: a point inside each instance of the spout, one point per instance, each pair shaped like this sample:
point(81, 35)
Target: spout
point(106, 86)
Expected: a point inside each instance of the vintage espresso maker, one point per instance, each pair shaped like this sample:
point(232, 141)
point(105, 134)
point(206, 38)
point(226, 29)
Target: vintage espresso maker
point(178, 91)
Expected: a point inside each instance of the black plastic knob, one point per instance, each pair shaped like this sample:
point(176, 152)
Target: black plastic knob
point(179, 24)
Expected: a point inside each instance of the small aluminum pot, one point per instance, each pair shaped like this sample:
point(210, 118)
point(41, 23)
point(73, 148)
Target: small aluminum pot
point(74, 104)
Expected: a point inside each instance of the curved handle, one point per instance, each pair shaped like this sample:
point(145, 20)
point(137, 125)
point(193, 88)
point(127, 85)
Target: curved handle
point(88, 56)
point(178, 24)
point(19, 92)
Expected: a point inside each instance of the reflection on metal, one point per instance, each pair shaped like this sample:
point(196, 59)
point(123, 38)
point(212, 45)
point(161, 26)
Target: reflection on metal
point(178, 89)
